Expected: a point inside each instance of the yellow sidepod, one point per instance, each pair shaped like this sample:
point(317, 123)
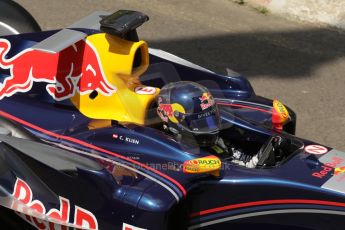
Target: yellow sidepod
point(122, 63)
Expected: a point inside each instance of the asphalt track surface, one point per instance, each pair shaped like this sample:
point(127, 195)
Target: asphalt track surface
point(301, 64)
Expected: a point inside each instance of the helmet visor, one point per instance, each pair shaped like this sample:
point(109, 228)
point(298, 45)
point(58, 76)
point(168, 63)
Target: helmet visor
point(203, 122)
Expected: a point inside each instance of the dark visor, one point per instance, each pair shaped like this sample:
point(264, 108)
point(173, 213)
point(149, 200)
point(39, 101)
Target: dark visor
point(209, 123)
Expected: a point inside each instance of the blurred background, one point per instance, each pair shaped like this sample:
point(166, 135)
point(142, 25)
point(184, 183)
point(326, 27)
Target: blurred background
point(300, 63)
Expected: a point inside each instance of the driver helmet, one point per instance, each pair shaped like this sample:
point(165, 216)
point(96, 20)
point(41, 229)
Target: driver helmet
point(189, 110)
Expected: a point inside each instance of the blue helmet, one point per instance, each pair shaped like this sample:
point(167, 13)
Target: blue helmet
point(188, 108)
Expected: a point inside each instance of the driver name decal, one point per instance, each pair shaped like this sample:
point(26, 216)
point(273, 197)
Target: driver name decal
point(125, 139)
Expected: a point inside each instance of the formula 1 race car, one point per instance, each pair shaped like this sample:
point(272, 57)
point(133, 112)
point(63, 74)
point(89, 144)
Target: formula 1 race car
point(82, 146)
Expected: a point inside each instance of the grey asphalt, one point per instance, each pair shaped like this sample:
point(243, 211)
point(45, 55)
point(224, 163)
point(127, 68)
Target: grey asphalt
point(301, 64)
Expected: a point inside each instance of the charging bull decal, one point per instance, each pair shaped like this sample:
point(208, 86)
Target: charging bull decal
point(76, 68)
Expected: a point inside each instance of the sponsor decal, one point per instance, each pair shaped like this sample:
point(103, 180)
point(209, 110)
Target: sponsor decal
point(206, 101)
point(316, 149)
point(202, 165)
point(339, 170)
point(337, 181)
point(328, 167)
point(75, 69)
point(24, 195)
point(130, 227)
point(166, 111)
point(145, 90)
point(207, 114)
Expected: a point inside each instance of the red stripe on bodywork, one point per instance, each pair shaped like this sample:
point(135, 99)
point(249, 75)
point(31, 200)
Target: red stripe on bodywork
point(244, 106)
point(266, 202)
point(71, 139)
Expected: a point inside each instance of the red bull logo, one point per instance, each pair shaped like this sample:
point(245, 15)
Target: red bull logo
point(165, 111)
point(74, 69)
point(340, 170)
point(206, 101)
point(26, 205)
point(328, 167)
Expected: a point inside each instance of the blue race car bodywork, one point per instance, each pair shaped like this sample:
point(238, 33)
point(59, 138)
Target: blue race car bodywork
point(61, 168)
